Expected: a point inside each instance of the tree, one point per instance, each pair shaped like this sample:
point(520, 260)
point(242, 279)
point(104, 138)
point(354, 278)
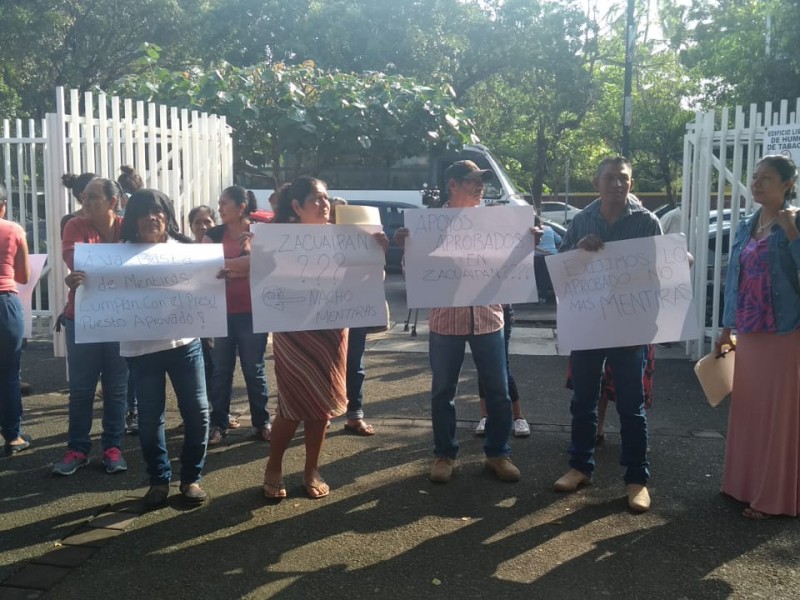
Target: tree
point(299, 118)
point(745, 50)
point(85, 43)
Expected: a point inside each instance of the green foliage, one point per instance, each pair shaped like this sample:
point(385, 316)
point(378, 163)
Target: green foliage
point(298, 118)
point(744, 50)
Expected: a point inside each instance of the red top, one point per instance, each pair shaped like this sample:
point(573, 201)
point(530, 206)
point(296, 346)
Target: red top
point(237, 291)
point(80, 230)
point(12, 238)
point(261, 216)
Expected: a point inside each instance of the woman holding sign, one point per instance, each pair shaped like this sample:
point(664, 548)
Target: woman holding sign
point(310, 366)
point(150, 219)
point(99, 360)
point(14, 269)
point(234, 208)
point(762, 301)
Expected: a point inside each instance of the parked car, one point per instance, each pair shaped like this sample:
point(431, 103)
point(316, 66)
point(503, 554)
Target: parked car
point(392, 219)
point(558, 212)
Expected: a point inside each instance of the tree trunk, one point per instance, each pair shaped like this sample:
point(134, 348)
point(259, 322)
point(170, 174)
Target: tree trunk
point(540, 165)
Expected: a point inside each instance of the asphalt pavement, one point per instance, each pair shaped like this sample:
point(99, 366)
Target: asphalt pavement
point(386, 531)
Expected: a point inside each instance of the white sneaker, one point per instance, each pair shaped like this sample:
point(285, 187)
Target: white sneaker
point(480, 430)
point(521, 428)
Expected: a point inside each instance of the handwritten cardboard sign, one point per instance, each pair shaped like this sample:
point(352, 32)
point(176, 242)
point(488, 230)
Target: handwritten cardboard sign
point(136, 292)
point(25, 290)
point(631, 292)
point(306, 277)
point(469, 257)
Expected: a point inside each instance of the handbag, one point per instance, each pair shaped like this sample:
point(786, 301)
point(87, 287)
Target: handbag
point(715, 373)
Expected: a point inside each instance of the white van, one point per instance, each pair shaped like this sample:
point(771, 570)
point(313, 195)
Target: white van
point(400, 182)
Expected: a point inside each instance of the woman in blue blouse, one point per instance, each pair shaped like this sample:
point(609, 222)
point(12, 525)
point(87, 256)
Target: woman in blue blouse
point(762, 301)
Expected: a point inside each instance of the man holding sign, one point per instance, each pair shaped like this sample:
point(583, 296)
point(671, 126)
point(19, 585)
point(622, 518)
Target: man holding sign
point(450, 329)
point(616, 215)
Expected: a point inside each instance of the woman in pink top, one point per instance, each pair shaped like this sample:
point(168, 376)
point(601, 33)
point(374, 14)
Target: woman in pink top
point(14, 269)
point(91, 362)
point(234, 209)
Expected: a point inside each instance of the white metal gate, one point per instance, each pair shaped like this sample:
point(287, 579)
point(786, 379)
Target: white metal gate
point(718, 162)
point(186, 154)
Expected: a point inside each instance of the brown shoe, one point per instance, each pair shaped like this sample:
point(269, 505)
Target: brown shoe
point(571, 481)
point(502, 467)
point(638, 497)
point(442, 470)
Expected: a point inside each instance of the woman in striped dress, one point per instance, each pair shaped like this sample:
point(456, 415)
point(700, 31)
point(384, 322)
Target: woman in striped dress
point(310, 366)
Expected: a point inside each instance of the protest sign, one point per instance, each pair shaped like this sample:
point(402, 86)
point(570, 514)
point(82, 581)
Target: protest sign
point(305, 277)
point(137, 292)
point(469, 257)
point(25, 291)
point(631, 292)
point(783, 139)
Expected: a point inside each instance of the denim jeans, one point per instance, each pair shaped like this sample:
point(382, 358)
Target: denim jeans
point(447, 357)
point(508, 325)
point(252, 347)
point(627, 364)
point(89, 363)
point(132, 403)
point(11, 331)
point(356, 372)
point(184, 365)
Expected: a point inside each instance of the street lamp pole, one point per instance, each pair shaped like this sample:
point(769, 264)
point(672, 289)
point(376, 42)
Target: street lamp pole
point(627, 109)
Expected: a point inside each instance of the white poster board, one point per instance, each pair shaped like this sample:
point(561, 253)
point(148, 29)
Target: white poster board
point(469, 257)
point(306, 277)
point(25, 291)
point(136, 292)
point(631, 292)
point(783, 139)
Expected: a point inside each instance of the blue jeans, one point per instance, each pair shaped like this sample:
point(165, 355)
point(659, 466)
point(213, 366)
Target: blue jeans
point(627, 365)
point(185, 368)
point(131, 403)
point(89, 363)
point(447, 357)
point(356, 372)
point(11, 331)
point(252, 347)
point(508, 320)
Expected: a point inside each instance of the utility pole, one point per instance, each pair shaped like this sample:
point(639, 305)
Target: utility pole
point(627, 107)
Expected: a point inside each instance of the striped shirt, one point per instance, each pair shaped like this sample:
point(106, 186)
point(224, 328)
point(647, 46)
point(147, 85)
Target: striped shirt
point(634, 222)
point(466, 320)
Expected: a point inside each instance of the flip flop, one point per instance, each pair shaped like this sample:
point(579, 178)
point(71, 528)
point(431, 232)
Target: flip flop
point(756, 515)
point(316, 489)
point(363, 429)
point(274, 489)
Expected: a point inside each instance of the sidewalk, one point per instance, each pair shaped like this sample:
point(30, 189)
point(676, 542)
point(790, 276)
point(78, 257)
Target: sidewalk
point(386, 531)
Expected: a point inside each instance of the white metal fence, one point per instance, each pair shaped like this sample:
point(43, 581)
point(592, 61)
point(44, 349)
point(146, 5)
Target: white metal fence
point(719, 156)
point(186, 154)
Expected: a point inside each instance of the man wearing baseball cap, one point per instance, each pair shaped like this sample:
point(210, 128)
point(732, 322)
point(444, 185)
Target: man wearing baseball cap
point(451, 328)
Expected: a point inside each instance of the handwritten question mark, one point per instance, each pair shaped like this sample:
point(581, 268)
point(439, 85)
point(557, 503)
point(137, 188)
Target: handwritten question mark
point(338, 258)
point(327, 261)
point(303, 260)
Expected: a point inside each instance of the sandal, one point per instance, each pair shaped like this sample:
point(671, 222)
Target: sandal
point(264, 433)
point(756, 515)
point(317, 489)
point(216, 436)
point(274, 489)
point(363, 428)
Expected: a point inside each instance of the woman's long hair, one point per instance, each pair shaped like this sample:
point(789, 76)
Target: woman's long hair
point(298, 190)
point(142, 203)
